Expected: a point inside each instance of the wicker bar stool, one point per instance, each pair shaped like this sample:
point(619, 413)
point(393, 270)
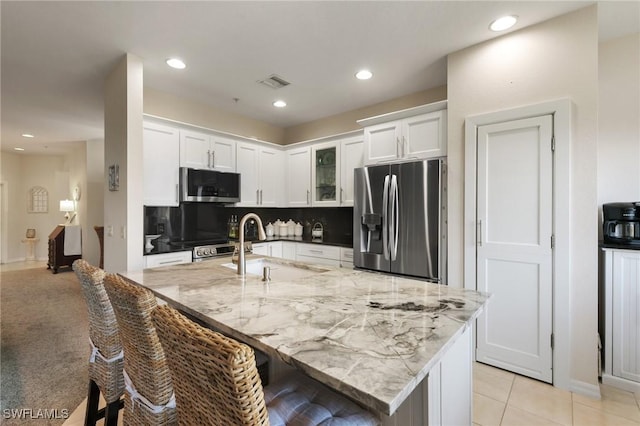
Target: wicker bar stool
point(217, 383)
point(149, 397)
point(106, 360)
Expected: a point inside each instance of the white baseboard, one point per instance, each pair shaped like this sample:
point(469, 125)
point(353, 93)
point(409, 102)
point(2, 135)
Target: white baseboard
point(620, 383)
point(586, 389)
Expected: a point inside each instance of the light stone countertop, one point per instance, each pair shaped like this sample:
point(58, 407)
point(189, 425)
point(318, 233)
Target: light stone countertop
point(368, 335)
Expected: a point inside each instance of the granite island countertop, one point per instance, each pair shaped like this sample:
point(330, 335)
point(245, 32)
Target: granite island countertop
point(371, 336)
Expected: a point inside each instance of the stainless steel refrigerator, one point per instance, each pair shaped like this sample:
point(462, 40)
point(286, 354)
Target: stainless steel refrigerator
point(399, 219)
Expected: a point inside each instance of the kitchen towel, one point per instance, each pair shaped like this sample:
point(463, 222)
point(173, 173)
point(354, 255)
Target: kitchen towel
point(72, 240)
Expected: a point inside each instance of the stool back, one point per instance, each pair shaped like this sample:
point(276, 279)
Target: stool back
point(149, 394)
point(215, 377)
point(105, 363)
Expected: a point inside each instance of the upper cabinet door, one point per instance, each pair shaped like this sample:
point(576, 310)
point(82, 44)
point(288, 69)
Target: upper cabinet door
point(223, 154)
point(425, 135)
point(160, 152)
point(299, 177)
point(351, 157)
point(325, 174)
point(194, 150)
point(272, 173)
point(203, 151)
point(410, 138)
point(248, 156)
point(383, 142)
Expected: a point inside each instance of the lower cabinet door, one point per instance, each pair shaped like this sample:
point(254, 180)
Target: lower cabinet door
point(626, 308)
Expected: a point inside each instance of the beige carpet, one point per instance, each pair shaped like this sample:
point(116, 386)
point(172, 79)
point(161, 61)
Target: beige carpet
point(44, 346)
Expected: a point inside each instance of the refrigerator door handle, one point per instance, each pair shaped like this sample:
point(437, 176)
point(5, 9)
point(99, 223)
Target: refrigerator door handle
point(385, 221)
point(395, 217)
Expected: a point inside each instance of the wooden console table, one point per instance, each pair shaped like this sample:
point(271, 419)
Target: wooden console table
point(57, 258)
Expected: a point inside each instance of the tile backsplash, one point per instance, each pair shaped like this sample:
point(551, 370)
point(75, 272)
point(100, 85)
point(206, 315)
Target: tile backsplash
point(204, 221)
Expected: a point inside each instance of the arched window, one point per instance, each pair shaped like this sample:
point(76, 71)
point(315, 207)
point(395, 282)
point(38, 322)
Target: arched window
point(38, 200)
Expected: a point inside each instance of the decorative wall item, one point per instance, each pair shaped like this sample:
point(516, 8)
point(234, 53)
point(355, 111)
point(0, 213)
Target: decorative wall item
point(38, 200)
point(114, 177)
point(31, 233)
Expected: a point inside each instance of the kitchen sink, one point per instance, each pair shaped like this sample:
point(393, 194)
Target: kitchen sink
point(278, 271)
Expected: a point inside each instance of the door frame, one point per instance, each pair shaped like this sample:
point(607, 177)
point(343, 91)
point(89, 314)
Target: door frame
point(561, 110)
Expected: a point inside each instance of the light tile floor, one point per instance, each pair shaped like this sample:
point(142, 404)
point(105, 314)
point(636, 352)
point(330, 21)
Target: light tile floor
point(505, 399)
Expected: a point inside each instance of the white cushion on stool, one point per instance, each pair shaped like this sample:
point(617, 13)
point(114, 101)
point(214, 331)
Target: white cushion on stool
point(298, 400)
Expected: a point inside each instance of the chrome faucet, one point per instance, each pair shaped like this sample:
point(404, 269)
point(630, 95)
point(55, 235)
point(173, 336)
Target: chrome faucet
point(261, 236)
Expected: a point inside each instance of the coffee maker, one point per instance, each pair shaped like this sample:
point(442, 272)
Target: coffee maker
point(621, 223)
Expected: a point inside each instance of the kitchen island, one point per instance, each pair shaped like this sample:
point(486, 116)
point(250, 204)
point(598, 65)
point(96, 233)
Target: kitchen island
point(400, 347)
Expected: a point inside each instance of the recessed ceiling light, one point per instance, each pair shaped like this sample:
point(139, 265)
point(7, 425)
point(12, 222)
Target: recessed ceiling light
point(364, 75)
point(27, 135)
point(19, 149)
point(503, 23)
point(280, 104)
point(176, 63)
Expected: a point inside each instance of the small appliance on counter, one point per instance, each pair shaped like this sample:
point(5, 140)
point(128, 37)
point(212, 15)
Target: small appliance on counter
point(316, 231)
point(621, 223)
point(148, 245)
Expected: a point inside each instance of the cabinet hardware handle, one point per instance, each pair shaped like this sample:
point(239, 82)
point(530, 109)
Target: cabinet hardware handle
point(166, 262)
point(208, 159)
point(316, 251)
point(308, 193)
point(261, 197)
point(398, 147)
point(479, 236)
point(213, 159)
point(341, 195)
point(257, 196)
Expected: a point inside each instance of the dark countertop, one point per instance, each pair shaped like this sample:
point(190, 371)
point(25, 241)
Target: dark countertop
point(309, 240)
point(161, 246)
point(619, 246)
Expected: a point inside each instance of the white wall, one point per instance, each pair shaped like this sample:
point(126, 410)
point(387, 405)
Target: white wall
point(123, 209)
point(619, 120)
point(552, 60)
point(19, 173)
point(93, 199)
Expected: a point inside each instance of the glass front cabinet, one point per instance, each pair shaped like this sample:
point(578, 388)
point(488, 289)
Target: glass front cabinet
point(325, 174)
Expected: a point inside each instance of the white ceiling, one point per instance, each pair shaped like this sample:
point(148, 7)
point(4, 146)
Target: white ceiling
point(56, 55)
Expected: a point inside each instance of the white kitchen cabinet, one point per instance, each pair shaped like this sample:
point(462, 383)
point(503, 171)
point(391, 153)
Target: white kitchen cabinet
point(450, 382)
point(272, 248)
point(261, 171)
point(161, 153)
point(299, 177)
point(346, 257)
point(203, 151)
point(316, 253)
point(622, 328)
point(166, 259)
point(325, 174)
point(407, 138)
point(351, 157)
point(289, 250)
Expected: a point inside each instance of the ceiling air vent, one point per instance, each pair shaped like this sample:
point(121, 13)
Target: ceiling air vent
point(274, 81)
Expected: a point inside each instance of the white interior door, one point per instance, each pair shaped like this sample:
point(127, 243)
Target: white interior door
point(514, 245)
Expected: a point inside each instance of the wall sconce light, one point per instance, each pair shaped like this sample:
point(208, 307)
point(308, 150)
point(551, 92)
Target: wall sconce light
point(68, 206)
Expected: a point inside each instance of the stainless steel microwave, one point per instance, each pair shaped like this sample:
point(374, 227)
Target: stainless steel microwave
point(209, 186)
